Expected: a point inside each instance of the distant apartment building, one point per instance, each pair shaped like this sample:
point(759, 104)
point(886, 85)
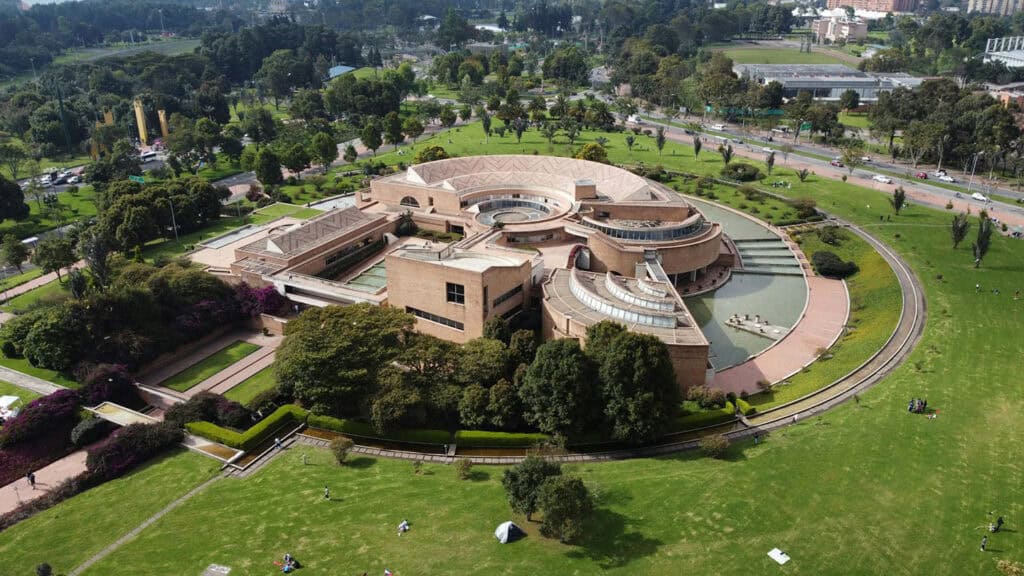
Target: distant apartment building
point(876, 5)
point(831, 30)
point(996, 7)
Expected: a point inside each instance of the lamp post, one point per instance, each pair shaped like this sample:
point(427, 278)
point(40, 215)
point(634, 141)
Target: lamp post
point(174, 223)
point(973, 166)
point(162, 31)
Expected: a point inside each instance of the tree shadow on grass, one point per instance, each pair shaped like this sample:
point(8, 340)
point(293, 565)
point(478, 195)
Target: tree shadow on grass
point(360, 463)
point(609, 540)
point(479, 476)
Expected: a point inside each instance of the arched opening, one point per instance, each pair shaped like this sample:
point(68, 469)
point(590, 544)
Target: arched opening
point(410, 202)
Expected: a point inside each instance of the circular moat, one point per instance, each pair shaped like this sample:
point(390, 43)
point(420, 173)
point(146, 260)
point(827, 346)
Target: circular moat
point(770, 287)
point(510, 211)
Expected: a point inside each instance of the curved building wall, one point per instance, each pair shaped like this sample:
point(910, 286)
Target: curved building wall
point(687, 255)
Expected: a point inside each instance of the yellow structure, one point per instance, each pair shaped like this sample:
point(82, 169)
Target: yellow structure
point(162, 114)
point(140, 119)
point(94, 147)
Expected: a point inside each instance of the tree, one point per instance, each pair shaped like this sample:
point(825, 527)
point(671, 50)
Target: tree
point(473, 407)
point(371, 136)
point(259, 125)
point(482, 361)
point(898, 200)
point(571, 128)
point(295, 158)
point(786, 149)
point(522, 347)
point(920, 137)
point(852, 157)
point(566, 504)
point(659, 139)
point(12, 201)
point(393, 129)
point(231, 143)
point(519, 126)
point(849, 100)
point(638, 386)
point(340, 448)
point(95, 249)
point(770, 162)
point(961, 224)
point(350, 153)
point(54, 253)
point(282, 71)
point(325, 149)
point(697, 145)
point(630, 142)
point(13, 251)
point(331, 357)
point(448, 116)
point(430, 154)
point(523, 481)
point(308, 105)
point(726, 151)
point(453, 31)
point(268, 168)
point(497, 328)
point(594, 152)
point(412, 128)
point(980, 247)
point(558, 388)
point(13, 156)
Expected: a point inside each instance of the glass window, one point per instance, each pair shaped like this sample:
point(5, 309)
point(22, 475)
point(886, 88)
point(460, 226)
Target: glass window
point(455, 293)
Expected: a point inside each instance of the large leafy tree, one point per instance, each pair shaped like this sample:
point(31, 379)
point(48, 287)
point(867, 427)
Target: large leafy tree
point(259, 125)
point(372, 135)
point(523, 481)
point(393, 129)
point(268, 168)
point(13, 155)
point(482, 361)
point(53, 254)
point(13, 252)
point(566, 504)
point(324, 149)
point(638, 386)
point(558, 389)
point(331, 357)
point(12, 201)
point(283, 71)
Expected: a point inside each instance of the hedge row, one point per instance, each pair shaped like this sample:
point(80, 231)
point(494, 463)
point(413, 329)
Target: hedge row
point(745, 407)
point(485, 439)
point(356, 428)
point(287, 414)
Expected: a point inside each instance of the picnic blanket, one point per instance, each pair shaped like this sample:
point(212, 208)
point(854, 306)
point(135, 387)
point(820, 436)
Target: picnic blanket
point(779, 556)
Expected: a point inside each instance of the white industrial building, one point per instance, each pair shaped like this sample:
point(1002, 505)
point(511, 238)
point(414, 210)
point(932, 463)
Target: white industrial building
point(825, 81)
point(1008, 50)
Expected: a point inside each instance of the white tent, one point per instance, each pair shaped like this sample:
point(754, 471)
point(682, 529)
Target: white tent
point(508, 532)
point(8, 401)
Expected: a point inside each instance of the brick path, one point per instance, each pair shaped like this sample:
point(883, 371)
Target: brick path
point(47, 478)
point(37, 282)
point(22, 380)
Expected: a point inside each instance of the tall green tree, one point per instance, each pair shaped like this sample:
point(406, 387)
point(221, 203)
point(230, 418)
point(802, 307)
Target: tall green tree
point(696, 146)
point(558, 389)
point(412, 128)
point(268, 168)
point(638, 387)
point(984, 239)
point(523, 481)
point(350, 154)
point(393, 129)
point(53, 254)
point(898, 200)
point(958, 230)
point(14, 252)
point(372, 135)
point(566, 504)
point(324, 149)
point(13, 155)
point(331, 357)
point(259, 125)
point(295, 158)
point(482, 361)
point(12, 201)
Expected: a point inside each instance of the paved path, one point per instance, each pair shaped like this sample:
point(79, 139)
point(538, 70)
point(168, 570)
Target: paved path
point(47, 478)
point(37, 282)
point(145, 524)
point(21, 380)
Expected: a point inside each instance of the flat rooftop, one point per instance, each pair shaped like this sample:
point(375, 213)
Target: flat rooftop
point(799, 70)
point(476, 260)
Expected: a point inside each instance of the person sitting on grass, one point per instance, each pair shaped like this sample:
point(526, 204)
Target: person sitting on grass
point(403, 527)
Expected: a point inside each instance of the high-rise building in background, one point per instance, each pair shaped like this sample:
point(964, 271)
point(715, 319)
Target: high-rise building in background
point(876, 5)
point(1000, 7)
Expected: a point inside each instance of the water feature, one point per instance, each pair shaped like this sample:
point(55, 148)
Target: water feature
point(370, 280)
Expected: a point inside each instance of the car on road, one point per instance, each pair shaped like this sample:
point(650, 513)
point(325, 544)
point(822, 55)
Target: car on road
point(921, 175)
point(688, 131)
point(45, 180)
point(939, 173)
point(768, 150)
point(882, 179)
point(837, 163)
point(865, 159)
point(980, 197)
point(74, 180)
point(718, 127)
point(945, 178)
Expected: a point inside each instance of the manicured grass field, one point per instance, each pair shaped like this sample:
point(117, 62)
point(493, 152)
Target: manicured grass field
point(70, 533)
point(279, 210)
point(211, 365)
point(854, 120)
point(8, 389)
point(778, 56)
point(49, 292)
point(75, 207)
point(252, 386)
point(19, 279)
point(864, 489)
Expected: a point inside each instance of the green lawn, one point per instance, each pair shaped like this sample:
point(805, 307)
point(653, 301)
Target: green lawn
point(365, 72)
point(49, 292)
point(75, 207)
point(23, 366)
point(70, 533)
point(280, 210)
point(8, 389)
point(19, 279)
point(779, 56)
point(196, 373)
point(859, 121)
point(170, 248)
point(252, 386)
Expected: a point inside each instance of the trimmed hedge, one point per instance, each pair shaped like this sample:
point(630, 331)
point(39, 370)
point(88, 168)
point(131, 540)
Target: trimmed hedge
point(356, 428)
point(745, 407)
point(130, 447)
point(486, 439)
point(289, 413)
point(831, 266)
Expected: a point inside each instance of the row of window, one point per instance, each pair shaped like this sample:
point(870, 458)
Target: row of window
point(507, 295)
point(434, 318)
point(649, 234)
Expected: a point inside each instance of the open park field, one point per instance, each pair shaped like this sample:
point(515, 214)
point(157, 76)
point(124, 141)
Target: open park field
point(779, 56)
point(864, 489)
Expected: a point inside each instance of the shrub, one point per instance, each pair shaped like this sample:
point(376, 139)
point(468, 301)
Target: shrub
point(464, 468)
point(357, 428)
point(57, 411)
point(740, 172)
point(714, 445)
point(89, 430)
point(744, 407)
point(486, 439)
point(829, 265)
point(131, 446)
point(9, 350)
point(285, 415)
point(713, 398)
point(108, 383)
point(832, 234)
point(208, 407)
point(340, 447)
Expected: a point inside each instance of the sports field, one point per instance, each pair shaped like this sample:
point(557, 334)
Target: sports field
point(779, 56)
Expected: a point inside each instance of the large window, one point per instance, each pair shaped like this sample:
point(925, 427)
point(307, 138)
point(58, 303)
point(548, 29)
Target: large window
point(505, 297)
point(455, 293)
point(434, 318)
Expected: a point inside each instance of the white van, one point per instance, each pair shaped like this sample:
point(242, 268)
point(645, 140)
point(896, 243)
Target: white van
point(718, 127)
point(979, 197)
point(147, 156)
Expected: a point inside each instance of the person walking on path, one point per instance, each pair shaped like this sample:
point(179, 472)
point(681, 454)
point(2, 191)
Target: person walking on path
point(327, 493)
point(31, 476)
point(277, 443)
point(984, 542)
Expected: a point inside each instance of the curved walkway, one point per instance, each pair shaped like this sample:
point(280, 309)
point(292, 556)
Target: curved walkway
point(902, 341)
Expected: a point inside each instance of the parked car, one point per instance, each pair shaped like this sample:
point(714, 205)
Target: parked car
point(865, 159)
point(882, 179)
point(945, 178)
point(980, 197)
point(74, 180)
point(718, 127)
point(837, 163)
point(939, 173)
point(921, 175)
